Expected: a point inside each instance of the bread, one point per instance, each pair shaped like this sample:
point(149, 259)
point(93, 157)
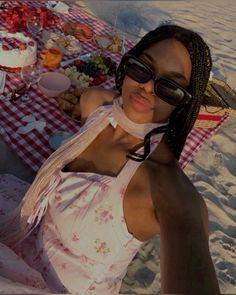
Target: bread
point(76, 112)
point(70, 97)
point(66, 106)
point(70, 104)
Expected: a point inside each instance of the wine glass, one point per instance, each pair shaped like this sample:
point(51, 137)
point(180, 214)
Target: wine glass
point(118, 32)
point(30, 74)
point(34, 22)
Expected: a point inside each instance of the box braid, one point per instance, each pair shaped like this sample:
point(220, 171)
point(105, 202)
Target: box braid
point(183, 117)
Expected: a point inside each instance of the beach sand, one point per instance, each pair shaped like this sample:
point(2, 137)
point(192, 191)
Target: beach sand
point(214, 20)
point(213, 170)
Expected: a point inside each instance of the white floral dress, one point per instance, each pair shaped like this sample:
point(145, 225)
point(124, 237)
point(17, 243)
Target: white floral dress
point(81, 244)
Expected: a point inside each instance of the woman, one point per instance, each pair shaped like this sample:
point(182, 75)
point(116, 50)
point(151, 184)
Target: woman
point(117, 183)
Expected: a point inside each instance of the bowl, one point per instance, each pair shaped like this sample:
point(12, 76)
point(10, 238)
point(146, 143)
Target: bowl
point(53, 84)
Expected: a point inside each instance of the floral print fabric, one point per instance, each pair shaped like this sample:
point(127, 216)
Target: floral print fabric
point(79, 241)
point(78, 245)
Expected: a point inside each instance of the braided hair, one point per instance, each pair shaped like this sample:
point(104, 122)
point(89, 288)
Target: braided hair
point(183, 117)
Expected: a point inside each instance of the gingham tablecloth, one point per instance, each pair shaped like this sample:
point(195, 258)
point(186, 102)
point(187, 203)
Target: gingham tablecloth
point(33, 148)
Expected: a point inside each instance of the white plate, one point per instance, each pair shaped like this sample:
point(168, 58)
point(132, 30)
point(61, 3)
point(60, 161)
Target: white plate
point(56, 139)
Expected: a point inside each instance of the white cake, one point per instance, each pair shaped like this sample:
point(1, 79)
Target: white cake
point(16, 50)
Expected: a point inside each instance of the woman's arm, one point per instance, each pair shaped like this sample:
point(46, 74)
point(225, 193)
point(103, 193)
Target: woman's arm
point(186, 264)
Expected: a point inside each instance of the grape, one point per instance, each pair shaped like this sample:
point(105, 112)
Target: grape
point(89, 69)
point(111, 65)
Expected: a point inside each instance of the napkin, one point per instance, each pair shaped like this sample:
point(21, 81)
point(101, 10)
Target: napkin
point(58, 6)
point(2, 81)
point(32, 124)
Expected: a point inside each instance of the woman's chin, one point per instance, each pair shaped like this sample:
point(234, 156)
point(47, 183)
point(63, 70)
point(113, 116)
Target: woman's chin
point(138, 118)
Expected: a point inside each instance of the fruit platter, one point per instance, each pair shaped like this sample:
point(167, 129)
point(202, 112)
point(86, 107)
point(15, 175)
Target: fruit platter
point(94, 71)
point(67, 44)
point(69, 104)
point(15, 18)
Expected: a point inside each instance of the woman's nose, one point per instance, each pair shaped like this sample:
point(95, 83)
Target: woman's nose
point(148, 86)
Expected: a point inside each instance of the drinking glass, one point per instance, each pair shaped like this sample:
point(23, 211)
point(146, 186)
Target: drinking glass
point(30, 75)
point(34, 22)
point(118, 30)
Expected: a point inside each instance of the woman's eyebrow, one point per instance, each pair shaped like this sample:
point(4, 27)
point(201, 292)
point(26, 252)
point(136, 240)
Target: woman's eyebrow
point(146, 55)
point(177, 75)
point(171, 74)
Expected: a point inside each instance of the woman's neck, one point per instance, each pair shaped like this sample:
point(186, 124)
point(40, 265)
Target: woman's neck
point(121, 135)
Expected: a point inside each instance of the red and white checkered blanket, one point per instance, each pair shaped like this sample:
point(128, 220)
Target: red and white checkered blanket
point(33, 148)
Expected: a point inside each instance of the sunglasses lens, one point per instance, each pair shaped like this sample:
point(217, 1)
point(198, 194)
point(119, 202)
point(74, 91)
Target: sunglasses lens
point(169, 92)
point(137, 71)
point(163, 88)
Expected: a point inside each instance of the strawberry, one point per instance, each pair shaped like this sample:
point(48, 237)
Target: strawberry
point(102, 78)
point(22, 46)
point(78, 62)
point(95, 82)
point(31, 43)
point(15, 16)
point(11, 30)
point(4, 15)
point(4, 47)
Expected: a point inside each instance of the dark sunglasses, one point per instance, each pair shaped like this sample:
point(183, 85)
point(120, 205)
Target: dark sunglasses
point(165, 89)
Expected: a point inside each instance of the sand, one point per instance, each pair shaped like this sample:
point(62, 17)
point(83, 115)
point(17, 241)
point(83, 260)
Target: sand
point(213, 19)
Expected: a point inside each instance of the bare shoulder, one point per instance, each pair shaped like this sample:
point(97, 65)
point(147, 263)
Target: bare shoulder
point(164, 171)
point(139, 207)
point(159, 185)
point(172, 192)
point(94, 97)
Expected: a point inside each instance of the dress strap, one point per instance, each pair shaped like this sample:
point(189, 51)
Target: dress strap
point(131, 166)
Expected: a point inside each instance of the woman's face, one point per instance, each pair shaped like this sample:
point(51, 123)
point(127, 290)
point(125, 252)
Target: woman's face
point(168, 59)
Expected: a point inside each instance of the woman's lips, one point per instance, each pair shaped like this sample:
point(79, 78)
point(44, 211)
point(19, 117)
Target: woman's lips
point(140, 103)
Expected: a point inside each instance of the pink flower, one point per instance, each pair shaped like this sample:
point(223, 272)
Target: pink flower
point(122, 219)
point(75, 237)
point(113, 267)
point(101, 247)
point(63, 265)
point(92, 288)
point(83, 196)
point(122, 191)
point(83, 259)
point(57, 198)
point(103, 187)
point(103, 215)
point(66, 250)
